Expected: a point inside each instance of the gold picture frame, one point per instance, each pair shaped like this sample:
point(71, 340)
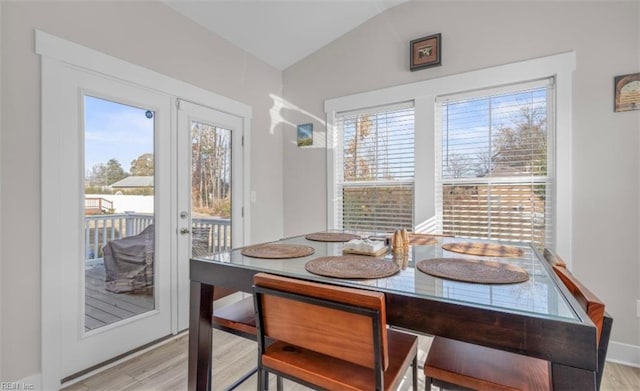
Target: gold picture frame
point(627, 92)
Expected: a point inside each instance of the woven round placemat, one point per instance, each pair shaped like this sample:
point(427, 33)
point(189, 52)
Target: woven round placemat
point(421, 239)
point(331, 237)
point(352, 266)
point(277, 251)
point(484, 249)
point(473, 270)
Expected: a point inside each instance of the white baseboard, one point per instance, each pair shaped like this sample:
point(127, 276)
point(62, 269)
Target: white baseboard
point(622, 353)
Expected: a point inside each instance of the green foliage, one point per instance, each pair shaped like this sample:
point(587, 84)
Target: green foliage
point(90, 189)
point(107, 190)
point(137, 191)
point(143, 165)
point(114, 171)
point(103, 174)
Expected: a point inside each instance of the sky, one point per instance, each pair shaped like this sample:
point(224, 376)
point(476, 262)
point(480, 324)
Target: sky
point(468, 125)
point(114, 130)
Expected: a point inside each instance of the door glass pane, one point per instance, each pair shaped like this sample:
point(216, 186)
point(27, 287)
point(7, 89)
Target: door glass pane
point(210, 189)
point(118, 211)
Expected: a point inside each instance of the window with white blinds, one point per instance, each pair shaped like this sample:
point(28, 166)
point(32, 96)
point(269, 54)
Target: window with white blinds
point(494, 172)
point(375, 170)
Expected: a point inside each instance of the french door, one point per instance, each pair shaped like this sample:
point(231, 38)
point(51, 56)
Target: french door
point(210, 189)
point(134, 183)
point(107, 194)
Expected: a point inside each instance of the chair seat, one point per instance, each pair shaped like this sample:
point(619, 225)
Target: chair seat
point(476, 367)
point(334, 374)
point(238, 316)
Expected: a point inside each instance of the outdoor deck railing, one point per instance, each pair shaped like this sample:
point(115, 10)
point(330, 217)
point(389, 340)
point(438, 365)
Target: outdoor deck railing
point(97, 205)
point(219, 233)
point(99, 229)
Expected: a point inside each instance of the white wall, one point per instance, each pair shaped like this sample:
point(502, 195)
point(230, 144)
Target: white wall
point(476, 35)
point(144, 33)
point(638, 276)
point(1, 127)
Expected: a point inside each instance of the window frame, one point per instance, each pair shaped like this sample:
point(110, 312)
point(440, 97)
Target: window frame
point(341, 184)
point(490, 181)
point(423, 94)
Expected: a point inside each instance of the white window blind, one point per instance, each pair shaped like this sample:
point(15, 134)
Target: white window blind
point(375, 169)
point(494, 172)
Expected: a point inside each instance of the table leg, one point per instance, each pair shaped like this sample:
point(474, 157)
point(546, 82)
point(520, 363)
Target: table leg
point(200, 356)
point(569, 378)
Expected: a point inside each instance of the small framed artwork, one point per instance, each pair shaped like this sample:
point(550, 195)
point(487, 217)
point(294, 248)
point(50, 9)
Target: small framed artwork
point(627, 92)
point(425, 52)
point(305, 135)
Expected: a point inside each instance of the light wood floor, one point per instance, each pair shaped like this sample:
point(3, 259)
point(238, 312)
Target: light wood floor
point(165, 369)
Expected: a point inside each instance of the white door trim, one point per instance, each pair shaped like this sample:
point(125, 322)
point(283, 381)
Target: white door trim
point(52, 48)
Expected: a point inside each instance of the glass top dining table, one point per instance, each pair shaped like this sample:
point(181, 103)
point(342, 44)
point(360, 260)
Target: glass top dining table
point(537, 317)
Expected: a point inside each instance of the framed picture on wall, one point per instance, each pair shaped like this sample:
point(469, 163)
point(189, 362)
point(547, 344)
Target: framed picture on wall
point(305, 135)
point(425, 52)
point(627, 92)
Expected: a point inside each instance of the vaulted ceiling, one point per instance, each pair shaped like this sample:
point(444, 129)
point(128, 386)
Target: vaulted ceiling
point(281, 33)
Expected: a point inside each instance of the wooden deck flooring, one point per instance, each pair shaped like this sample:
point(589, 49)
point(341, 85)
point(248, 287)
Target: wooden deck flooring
point(103, 307)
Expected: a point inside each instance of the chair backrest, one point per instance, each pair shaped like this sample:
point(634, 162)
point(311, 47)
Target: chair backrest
point(336, 321)
point(595, 309)
point(554, 259)
point(589, 302)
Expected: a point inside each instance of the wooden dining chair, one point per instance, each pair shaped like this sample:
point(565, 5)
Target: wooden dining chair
point(554, 259)
point(328, 337)
point(237, 318)
point(459, 365)
point(596, 311)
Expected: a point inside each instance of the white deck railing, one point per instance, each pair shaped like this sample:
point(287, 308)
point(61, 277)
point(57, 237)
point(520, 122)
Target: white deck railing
point(214, 234)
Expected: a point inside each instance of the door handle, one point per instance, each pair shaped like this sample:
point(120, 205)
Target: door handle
point(184, 231)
